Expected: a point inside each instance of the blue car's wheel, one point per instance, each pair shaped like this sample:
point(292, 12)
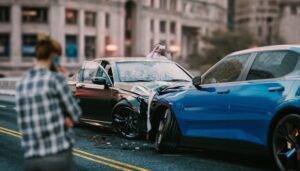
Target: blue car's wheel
point(286, 142)
point(167, 137)
point(125, 122)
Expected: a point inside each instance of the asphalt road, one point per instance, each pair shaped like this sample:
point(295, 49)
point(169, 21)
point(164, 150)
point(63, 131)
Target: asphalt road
point(100, 149)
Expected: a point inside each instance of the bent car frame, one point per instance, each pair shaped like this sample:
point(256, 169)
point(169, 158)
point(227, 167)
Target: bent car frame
point(250, 98)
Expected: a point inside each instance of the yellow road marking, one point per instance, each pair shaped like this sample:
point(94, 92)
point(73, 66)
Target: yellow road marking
point(102, 162)
point(12, 134)
point(110, 160)
point(11, 131)
point(95, 158)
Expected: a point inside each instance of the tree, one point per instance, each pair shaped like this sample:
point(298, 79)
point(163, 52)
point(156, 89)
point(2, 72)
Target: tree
point(219, 45)
point(224, 43)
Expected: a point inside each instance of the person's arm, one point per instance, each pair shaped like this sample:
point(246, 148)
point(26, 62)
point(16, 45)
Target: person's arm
point(68, 101)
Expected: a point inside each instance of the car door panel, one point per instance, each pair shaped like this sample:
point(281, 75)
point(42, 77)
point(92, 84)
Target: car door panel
point(95, 100)
point(253, 101)
point(207, 108)
point(203, 109)
point(251, 105)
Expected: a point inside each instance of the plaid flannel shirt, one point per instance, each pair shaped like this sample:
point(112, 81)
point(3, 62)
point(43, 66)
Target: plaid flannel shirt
point(43, 100)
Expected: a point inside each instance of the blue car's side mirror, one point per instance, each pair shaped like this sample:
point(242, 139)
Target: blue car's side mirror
point(197, 82)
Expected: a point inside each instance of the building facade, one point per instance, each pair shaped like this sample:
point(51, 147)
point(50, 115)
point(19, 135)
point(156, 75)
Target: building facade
point(289, 21)
point(260, 17)
point(270, 21)
point(88, 29)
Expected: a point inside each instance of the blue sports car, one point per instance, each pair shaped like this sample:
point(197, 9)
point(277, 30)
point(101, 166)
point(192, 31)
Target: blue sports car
point(248, 101)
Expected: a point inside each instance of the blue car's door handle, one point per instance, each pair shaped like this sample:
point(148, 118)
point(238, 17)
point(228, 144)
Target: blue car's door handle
point(276, 89)
point(223, 91)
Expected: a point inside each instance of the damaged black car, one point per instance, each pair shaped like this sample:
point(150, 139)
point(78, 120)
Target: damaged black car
point(116, 92)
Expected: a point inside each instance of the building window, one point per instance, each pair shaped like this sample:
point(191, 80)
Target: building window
point(173, 27)
point(90, 47)
point(71, 16)
point(152, 25)
point(261, 2)
point(34, 15)
point(4, 14)
point(259, 31)
point(243, 20)
point(107, 20)
point(173, 5)
point(293, 10)
point(152, 3)
point(71, 46)
point(269, 19)
point(90, 19)
point(163, 4)
point(162, 26)
point(4, 45)
point(29, 41)
point(273, 3)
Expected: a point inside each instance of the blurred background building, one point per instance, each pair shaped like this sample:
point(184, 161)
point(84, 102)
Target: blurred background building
point(289, 21)
point(98, 28)
point(270, 21)
point(259, 17)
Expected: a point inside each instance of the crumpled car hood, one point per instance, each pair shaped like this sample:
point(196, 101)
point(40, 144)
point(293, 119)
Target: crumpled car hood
point(145, 88)
point(151, 89)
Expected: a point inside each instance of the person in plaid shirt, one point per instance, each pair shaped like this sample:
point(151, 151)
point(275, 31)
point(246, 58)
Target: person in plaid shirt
point(46, 112)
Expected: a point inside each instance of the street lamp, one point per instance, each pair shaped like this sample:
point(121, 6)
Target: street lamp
point(111, 47)
point(174, 48)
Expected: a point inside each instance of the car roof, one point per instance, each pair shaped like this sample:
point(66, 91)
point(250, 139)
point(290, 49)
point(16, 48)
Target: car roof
point(126, 59)
point(268, 48)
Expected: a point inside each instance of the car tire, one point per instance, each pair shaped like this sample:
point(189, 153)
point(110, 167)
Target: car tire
point(125, 122)
point(167, 136)
point(285, 138)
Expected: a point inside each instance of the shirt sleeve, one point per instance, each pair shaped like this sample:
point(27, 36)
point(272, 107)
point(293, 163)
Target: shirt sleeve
point(17, 99)
point(19, 104)
point(67, 100)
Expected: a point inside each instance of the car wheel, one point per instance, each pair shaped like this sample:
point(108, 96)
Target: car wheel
point(285, 142)
point(125, 122)
point(167, 136)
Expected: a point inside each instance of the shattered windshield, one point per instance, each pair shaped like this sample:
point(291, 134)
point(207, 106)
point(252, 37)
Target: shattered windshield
point(146, 71)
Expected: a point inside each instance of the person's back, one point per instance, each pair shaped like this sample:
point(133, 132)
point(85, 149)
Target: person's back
point(46, 112)
point(40, 116)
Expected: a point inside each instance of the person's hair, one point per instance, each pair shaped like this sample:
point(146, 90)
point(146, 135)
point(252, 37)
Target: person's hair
point(45, 47)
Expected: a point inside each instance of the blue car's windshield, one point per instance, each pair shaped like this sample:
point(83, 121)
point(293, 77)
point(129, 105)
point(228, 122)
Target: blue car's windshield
point(143, 71)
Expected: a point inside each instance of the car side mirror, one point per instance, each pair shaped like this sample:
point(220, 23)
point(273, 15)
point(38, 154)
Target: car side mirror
point(99, 80)
point(197, 81)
